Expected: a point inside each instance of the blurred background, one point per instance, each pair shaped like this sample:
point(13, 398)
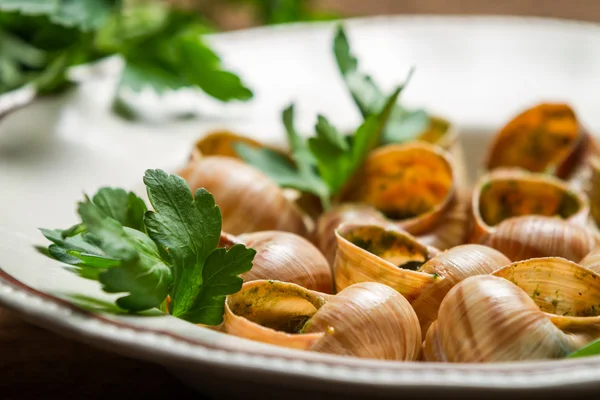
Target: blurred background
point(239, 14)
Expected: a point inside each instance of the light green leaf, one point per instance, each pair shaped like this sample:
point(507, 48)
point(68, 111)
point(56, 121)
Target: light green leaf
point(591, 349)
point(83, 14)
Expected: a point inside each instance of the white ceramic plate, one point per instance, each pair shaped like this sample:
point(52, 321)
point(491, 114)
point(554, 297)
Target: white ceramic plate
point(477, 71)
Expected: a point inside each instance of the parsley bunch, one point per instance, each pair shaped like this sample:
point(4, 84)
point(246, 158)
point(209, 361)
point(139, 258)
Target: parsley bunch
point(172, 251)
point(161, 46)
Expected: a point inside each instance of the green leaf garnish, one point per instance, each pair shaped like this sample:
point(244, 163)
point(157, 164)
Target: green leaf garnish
point(150, 255)
point(161, 46)
point(141, 271)
point(404, 125)
point(337, 165)
point(324, 163)
point(591, 349)
point(83, 14)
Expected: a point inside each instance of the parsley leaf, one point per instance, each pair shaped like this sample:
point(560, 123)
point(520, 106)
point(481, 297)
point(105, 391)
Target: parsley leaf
point(404, 125)
point(219, 278)
point(172, 251)
point(188, 229)
point(301, 176)
point(590, 349)
point(141, 272)
point(161, 46)
point(338, 163)
point(78, 250)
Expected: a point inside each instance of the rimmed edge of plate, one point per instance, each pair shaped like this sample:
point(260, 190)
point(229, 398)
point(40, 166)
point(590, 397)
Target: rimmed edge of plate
point(173, 350)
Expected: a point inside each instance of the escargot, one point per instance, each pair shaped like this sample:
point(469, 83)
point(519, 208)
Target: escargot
point(286, 257)
point(248, 199)
point(530, 310)
point(412, 186)
point(546, 138)
point(367, 320)
point(423, 275)
point(527, 215)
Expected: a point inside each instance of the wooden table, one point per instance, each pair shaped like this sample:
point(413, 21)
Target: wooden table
point(36, 363)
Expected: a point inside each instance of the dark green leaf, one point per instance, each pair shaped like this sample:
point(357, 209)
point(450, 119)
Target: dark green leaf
point(125, 207)
point(187, 228)
point(219, 278)
point(142, 273)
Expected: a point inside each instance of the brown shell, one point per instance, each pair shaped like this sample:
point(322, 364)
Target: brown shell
point(412, 184)
point(384, 254)
point(332, 219)
point(545, 138)
point(454, 265)
point(359, 321)
point(287, 257)
point(220, 143)
point(248, 199)
point(507, 193)
point(594, 190)
point(533, 236)
point(489, 319)
point(367, 320)
point(273, 312)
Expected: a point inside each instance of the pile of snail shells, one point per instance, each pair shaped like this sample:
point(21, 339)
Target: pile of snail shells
point(507, 269)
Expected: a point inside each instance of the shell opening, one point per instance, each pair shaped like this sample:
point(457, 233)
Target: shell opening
point(537, 140)
point(277, 306)
point(503, 199)
point(389, 245)
point(403, 182)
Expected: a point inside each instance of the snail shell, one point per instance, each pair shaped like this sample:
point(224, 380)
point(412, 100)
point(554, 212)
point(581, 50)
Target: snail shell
point(454, 265)
point(507, 193)
point(345, 213)
point(384, 254)
point(287, 257)
point(485, 319)
point(366, 320)
point(594, 190)
point(541, 308)
point(411, 186)
point(592, 260)
point(547, 137)
point(533, 236)
point(248, 199)
point(222, 142)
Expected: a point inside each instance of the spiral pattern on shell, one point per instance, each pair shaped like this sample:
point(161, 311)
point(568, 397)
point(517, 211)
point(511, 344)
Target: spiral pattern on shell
point(248, 199)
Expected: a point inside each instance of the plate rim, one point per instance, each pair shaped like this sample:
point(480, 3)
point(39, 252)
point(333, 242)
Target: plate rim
point(166, 348)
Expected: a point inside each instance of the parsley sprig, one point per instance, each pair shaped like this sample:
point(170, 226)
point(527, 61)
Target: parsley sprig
point(404, 125)
point(172, 251)
point(323, 164)
point(162, 47)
